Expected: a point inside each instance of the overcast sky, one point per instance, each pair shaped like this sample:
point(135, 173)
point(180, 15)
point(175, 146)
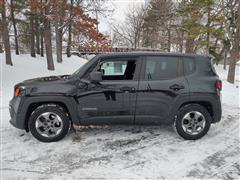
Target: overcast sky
point(120, 8)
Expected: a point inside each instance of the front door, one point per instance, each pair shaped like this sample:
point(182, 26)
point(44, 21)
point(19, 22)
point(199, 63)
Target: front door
point(162, 85)
point(111, 101)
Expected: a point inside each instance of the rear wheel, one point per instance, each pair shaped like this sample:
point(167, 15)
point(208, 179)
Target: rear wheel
point(193, 122)
point(49, 123)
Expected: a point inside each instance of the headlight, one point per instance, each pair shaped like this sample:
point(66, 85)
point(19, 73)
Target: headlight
point(19, 91)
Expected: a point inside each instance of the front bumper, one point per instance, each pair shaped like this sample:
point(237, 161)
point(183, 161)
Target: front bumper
point(17, 119)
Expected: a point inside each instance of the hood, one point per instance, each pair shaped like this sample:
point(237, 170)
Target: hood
point(49, 85)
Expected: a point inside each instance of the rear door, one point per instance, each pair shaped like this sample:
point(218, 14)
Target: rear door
point(162, 84)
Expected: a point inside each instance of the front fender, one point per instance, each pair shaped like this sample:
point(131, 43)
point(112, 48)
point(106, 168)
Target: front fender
point(28, 102)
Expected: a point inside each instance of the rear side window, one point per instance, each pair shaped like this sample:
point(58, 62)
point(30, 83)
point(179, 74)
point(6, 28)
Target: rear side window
point(189, 65)
point(161, 67)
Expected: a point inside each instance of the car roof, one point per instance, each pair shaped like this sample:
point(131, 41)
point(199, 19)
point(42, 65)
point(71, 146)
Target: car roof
point(142, 53)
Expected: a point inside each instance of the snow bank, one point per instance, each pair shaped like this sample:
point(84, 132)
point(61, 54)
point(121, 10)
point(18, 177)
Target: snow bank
point(230, 92)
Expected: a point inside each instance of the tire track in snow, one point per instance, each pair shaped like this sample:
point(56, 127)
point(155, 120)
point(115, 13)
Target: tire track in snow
point(224, 163)
point(218, 165)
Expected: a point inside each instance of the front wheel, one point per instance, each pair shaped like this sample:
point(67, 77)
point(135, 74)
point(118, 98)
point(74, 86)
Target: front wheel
point(192, 122)
point(49, 123)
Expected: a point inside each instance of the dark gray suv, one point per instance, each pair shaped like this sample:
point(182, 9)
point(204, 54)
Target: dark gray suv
point(122, 88)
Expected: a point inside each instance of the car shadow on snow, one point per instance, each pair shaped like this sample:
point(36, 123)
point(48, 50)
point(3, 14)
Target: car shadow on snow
point(122, 132)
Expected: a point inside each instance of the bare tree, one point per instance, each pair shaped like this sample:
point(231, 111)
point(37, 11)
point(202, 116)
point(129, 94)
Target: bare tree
point(47, 36)
point(235, 51)
point(69, 41)
point(37, 29)
point(32, 30)
point(60, 21)
point(1, 46)
point(130, 30)
point(14, 27)
point(5, 34)
point(41, 32)
point(58, 25)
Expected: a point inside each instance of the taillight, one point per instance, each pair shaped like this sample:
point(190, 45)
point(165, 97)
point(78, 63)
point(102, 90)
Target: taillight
point(17, 91)
point(219, 85)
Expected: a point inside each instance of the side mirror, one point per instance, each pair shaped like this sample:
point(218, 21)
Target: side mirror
point(96, 76)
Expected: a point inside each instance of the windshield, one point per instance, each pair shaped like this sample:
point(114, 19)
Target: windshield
point(81, 71)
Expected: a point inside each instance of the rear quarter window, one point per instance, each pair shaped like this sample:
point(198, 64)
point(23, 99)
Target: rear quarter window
point(189, 65)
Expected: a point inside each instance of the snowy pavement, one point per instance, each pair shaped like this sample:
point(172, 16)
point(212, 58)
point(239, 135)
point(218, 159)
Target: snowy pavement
point(119, 151)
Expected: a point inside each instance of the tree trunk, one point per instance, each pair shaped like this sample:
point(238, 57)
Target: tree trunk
point(32, 37)
point(41, 33)
point(58, 16)
point(59, 44)
point(69, 44)
point(1, 47)
point(37, 36)
point(225, 60)
point(235, 50)
point(14, 28)
point(135, 42)
point(41, 43)
point(169, 39)
point(182, 41)
point(189, 45)
point(4, 30)
point(48, 41)
point(208, 32)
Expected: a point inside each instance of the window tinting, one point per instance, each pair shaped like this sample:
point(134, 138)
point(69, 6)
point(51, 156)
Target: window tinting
point(161, 67)
point(113, 68)
point(117, 69)
point(189, 65)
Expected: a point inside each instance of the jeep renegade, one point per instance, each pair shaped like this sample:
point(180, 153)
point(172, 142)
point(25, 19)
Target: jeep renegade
point(122, 88)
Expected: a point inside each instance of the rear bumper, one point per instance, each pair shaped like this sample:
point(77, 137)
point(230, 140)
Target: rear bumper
point(17, 120)
point(217, 111)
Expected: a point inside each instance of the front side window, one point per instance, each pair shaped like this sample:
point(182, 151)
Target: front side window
point(161, 67)
point(114, 68)
point(117, 69)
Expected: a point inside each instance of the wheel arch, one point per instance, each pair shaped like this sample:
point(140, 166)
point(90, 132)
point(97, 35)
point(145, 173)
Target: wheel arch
point(211, 102)
point(205, 104)
point(64, 102)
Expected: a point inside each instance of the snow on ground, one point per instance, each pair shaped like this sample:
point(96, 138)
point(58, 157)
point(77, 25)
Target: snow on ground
point(119, 151)
point(26, 67)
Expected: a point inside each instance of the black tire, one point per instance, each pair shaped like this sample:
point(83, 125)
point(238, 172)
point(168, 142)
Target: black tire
point(179, 121)
point(57, 110)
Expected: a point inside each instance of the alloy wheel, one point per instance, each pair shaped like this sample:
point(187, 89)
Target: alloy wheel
point(193, 123)
point(49, 124)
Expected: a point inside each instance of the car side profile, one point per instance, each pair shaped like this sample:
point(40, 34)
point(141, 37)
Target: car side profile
point(122, 88)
